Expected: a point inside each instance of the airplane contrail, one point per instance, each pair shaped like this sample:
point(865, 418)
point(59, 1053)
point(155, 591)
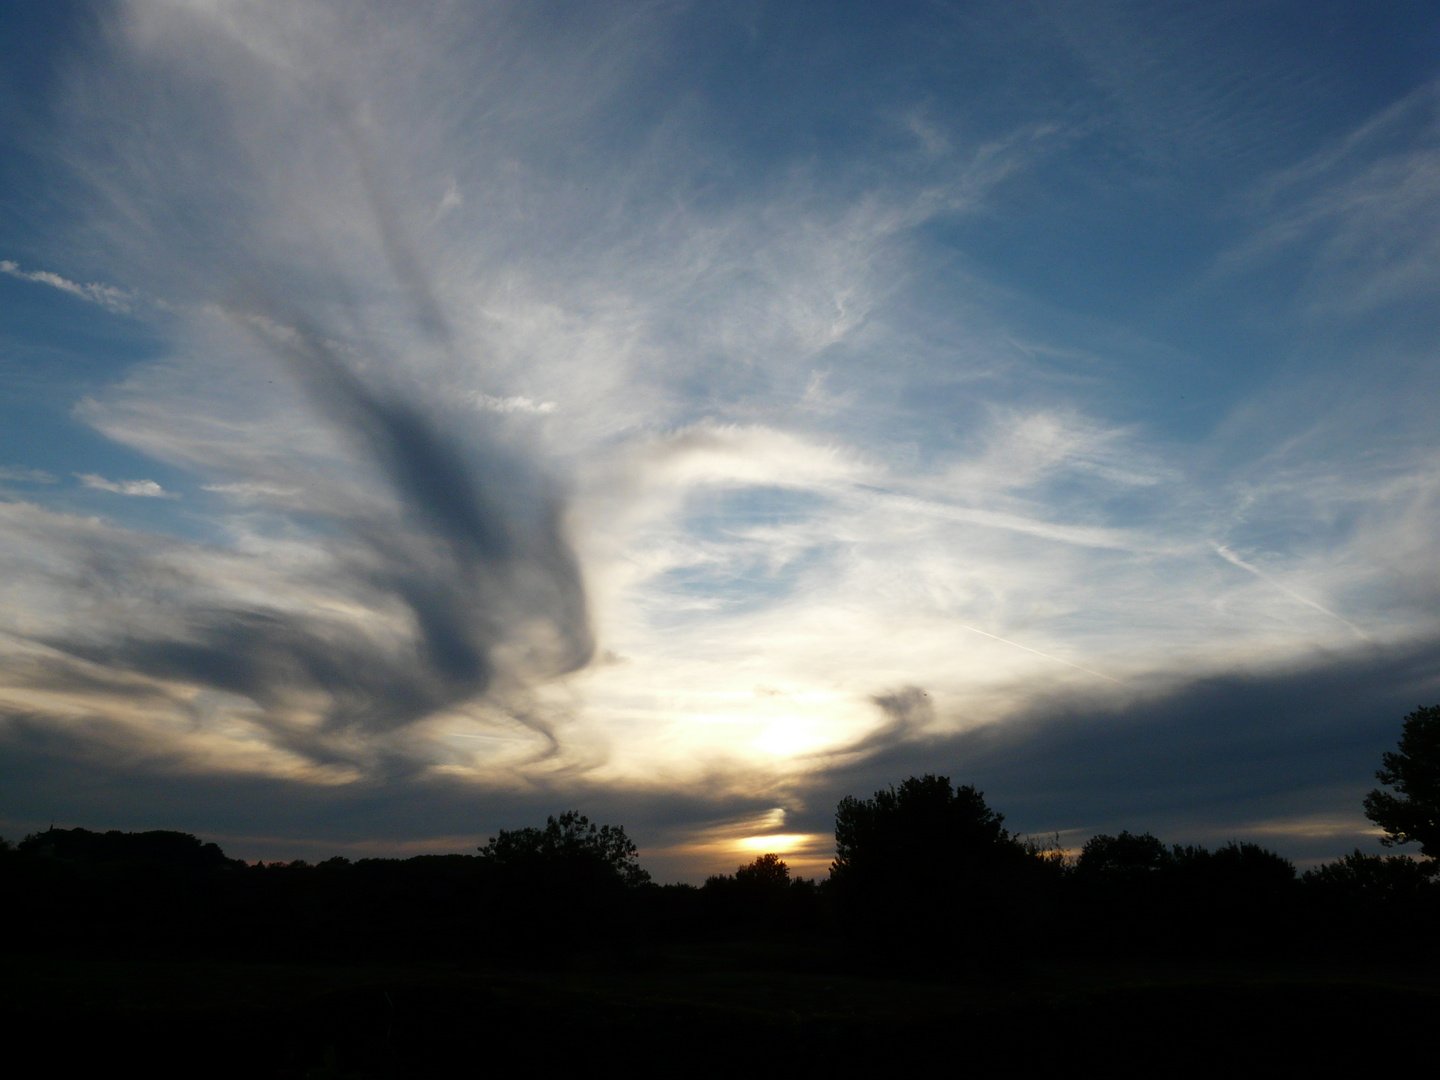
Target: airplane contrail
point(1047, 656)
point(1235, 560)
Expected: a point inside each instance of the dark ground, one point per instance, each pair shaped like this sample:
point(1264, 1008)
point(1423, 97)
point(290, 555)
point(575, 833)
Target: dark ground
point(698, 1010)
point(153, 954)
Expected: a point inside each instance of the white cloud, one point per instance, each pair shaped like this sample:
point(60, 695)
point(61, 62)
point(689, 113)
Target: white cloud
point(490, 403)
point(142, 488)
point(107, 296)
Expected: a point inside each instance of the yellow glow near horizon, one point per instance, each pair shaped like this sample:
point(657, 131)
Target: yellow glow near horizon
point(779, 843)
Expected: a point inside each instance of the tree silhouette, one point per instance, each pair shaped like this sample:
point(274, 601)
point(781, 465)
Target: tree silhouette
point(921, 829)
point(760, 898)
point(1411, 814)
point(1360, 878)
point(928, 866)
point(1127, 857)
point(768, 873)
point(569, 842)
point(158, 847)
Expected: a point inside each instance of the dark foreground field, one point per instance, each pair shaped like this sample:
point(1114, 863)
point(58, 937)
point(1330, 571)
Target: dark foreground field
point(938, 942)
point(706, 1011)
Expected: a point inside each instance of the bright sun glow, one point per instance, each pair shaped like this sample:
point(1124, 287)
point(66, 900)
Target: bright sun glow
point(779, 843)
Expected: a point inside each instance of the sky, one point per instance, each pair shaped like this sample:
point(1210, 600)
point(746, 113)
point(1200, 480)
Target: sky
point(419, 419)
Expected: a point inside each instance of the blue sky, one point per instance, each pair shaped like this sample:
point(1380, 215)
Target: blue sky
point(415, 422)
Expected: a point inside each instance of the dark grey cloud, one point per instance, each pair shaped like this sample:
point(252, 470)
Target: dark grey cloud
point(1205, 759)
point(907, 711)
point(95, 773)
point(476, 557)
point(462, 555)
point(490, 512)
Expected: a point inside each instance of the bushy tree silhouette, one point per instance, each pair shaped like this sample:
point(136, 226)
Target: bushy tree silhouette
point(1128, 857)
point(928, 863)
point(1358, 877)
point(1239, 867)
point(761, 898)
point(1411, 813)
point(922, 829)
point(572, 842)
point(567, 885)
point(768, 873)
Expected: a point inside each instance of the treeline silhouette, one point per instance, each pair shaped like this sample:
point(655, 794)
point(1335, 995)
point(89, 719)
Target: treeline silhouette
point(926, 880)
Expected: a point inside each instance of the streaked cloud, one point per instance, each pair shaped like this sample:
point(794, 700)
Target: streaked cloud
point(1362, 213)
point(26, 476)
point(107, 296)
point(252, 491)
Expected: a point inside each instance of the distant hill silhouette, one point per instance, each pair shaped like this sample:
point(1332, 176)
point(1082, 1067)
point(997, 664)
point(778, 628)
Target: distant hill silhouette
point(159, 847)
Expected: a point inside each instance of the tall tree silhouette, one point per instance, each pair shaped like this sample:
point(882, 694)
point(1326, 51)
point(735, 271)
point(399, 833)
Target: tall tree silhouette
point(1411, 813)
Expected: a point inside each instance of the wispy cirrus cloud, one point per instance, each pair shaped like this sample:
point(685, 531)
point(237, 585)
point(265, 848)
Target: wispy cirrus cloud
point(1363, 213)
point(26, 476)
point(252, 490)
point(109, 297)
